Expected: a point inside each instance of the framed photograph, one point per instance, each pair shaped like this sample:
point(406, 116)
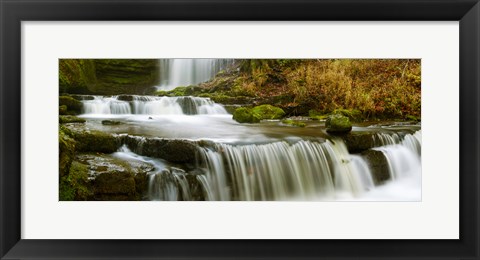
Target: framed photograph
point(239, 129)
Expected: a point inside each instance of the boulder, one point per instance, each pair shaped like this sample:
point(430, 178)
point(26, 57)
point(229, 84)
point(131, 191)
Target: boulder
point(125, 97)
point(337, 123)
point(74, 106)
point(62, 110)
point(75, 185)
point(378, 165)
point(95, 141)
point(116, 179)
point(82, 97)
point(245, 115)
point(70, 119)
point(268, 112)
point(172, 150)
point(358, 142)
point(66, 151)
point(111, 122)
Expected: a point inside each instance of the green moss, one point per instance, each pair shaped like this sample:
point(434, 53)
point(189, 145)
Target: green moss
point(107, 76)
point(293, 123)
point(337, 123)
point(353, 114)
point(72, 104)
point(179, 91)
point(96, 141)
point(70, 119)
point(62, 110)
point(162, 93)
point(245, 115)
point(77, 75)
point(316, 115)
point(268, 112)
point(412, 118)
point(222, 99)
point(73, 186)
point(66, 150)
point(111, 122)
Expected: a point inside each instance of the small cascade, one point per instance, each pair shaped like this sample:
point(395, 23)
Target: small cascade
point(279, 171)
point(185, 72)
point(414, 142)
point(382, 139)
point(106, 105)
point(404, 158)
point(295, 170)
point(151, 105)
point(162, 186)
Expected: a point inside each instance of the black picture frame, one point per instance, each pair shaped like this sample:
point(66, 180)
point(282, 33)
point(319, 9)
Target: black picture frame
point(13, 12)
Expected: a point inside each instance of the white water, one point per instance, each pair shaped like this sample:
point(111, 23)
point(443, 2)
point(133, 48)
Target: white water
point(280, 171)
point(297, 169)
point(404, 158)
point(185, 72)
point(151, 105)
point(302, 170)
point(106, 105)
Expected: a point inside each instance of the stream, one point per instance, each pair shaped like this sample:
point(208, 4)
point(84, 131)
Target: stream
point(262, 161)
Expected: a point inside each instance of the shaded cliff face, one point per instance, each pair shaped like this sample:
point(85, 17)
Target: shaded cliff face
point(107, 76)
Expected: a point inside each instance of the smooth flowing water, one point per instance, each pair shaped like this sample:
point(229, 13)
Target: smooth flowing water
point(151, 105)
point(185, 72)
point(264, 161)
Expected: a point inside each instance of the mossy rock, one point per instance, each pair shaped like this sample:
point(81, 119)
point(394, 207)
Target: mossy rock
point(412, 118)
point(268, 112)
point(161, 93)
point(125, 97)
point(353, 114)
point(245, 115)
point(176, 150)
point(111, 122)
point(70, 119)
point(231, 108)
point(96, 141)
point(119, 183)
point(116, 179)
point(378, 166)
point(76, 75)
point(337, 123)
point(357, 142)
point(293, 123)
point(179, 91)
point(82, 97)
point(74, 185)
point(62, 110)
point(315, 115)
point(71, 103)
point(66, 151)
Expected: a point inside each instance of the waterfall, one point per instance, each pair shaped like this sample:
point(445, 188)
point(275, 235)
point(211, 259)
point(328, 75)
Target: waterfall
point(302, 170)
point(106, 105)
point(404, 157)
point(295, 170)
point(382, 139)
point(151, 105)
point(185, 72)
point(280, 171)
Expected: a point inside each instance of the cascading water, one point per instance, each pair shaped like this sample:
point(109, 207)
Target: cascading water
point(106, 105)
point(404, 157)
point(151, 105)
point(280, 171)
point(185, 72)
point(297, 170)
